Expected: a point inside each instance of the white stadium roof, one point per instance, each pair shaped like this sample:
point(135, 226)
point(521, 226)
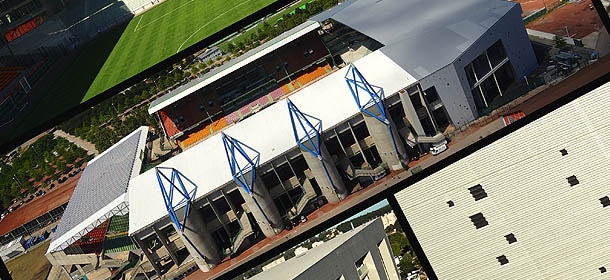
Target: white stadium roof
point(233, 65)
point(269, 132)
point(101, 188)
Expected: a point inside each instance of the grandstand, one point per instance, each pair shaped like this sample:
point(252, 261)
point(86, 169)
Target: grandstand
point(426, 71)
point(244, 86)
point(92, 232)
point(16, 82)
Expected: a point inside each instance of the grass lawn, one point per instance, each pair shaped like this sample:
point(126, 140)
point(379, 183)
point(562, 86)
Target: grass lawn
point(271, 20)
point(33, 265)
point(165, 30)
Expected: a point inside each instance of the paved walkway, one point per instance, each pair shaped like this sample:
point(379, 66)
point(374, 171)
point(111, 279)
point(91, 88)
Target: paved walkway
point(88, 146)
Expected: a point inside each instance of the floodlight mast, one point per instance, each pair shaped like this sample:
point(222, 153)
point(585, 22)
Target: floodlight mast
point(358, 85)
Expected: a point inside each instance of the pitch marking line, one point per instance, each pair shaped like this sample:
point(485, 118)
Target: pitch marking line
point(136, 29)
point(159, 18)
point(209, 21)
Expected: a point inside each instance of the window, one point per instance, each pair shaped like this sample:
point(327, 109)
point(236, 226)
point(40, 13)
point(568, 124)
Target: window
point(478, 192)
point(502, 259)
point(510, 238)
point(605, 201)
point(573, 180)
point(450, 203)
point(478, 220)
point(563, 152)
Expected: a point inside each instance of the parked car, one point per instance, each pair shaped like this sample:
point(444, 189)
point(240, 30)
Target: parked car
point(438, 147)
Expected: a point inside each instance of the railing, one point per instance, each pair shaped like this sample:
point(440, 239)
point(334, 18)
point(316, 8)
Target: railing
point(353, 173)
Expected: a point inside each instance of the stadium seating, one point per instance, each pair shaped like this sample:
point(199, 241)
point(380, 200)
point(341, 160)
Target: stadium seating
point(277, 93)
point(91, 242)
point(232, 118)
point(170, 127)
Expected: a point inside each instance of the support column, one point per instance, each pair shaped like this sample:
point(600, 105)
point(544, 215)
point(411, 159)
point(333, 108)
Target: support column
point(324, 171)
point(165, 243)
point(384, 142)
point(199, 242)
point(263, 209)
point(147, 254)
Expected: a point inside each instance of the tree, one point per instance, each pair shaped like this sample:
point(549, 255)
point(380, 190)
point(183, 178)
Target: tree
point(407, 264)
point(560, 42)
point(399, 243)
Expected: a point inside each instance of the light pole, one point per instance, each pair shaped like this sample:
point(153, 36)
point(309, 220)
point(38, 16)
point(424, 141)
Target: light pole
point(17, 180)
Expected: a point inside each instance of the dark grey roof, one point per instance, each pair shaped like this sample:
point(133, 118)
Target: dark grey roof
point(422, 36)
point(102, 181)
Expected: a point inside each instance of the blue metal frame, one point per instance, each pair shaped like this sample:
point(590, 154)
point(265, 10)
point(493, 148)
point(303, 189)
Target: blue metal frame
point(238, 172)
point(176, 183)
point(310, 128)
point(358, 85)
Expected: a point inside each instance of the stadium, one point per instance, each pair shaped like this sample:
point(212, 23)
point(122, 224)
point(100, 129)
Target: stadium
point(303, 120)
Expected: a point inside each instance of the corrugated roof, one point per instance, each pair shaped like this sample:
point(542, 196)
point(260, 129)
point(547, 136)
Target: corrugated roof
point(104, 180)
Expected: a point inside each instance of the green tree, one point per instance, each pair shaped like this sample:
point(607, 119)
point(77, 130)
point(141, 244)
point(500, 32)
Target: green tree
point(399, 243)
point(407, 264)
point(560, 42)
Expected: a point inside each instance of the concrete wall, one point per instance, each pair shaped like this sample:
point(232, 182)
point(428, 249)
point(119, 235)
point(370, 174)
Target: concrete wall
point(451, 82)
point(341, 262)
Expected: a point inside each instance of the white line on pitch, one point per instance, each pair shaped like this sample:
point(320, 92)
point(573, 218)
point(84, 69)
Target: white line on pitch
point(166, 14)
point(136, 29)
point(196, 31)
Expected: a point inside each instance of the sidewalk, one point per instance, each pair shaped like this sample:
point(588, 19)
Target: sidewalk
point(88, 146)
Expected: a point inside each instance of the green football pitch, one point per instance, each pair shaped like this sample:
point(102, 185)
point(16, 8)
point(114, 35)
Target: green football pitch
point(165, 30)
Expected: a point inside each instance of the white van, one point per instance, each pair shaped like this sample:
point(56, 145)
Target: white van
point(438, 147)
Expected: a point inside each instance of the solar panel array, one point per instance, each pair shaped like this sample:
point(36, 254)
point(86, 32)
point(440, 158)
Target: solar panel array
point(104, 180)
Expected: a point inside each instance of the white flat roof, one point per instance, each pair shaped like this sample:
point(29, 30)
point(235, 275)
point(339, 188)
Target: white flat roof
point(238, 63)
point(269, 132)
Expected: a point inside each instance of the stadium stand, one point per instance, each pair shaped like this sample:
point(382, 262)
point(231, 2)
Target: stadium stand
point(117, 239)
point(170, 127)
point(85, 19)
point(277, 93)
point(91, 242)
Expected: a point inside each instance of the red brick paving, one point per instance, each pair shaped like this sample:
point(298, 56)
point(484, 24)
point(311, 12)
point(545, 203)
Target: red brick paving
point(40, 205)
point(577, 16)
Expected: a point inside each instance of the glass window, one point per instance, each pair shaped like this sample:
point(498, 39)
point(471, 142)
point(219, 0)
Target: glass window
point(481, 66)
point(496, 53)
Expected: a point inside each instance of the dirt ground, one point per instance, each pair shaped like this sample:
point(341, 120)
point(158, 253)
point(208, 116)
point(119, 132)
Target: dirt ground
point(578, 17)
point(40, 205)
point(33, 265)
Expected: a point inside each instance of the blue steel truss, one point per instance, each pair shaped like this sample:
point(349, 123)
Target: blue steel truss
point(358, 85)
point(239, 152)
point(309, 127)
point(174, 183)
